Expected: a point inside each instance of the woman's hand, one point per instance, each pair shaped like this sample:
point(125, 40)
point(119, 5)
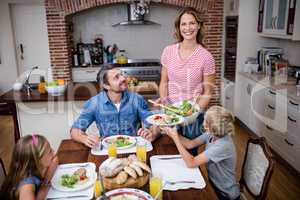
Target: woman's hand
point(171, 132)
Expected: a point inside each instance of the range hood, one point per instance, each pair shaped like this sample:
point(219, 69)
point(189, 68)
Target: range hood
point(134, 17)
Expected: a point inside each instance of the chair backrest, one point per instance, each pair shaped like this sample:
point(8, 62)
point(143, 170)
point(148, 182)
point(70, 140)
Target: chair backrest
point(257, 168)
point(2, 172)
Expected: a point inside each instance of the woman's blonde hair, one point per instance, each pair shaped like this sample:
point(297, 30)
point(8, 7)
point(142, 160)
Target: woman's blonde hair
point(219, 121)
point(25, 162)
point(195, 13)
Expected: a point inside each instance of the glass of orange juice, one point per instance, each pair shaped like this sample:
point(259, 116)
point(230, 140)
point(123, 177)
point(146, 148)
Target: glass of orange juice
point(112, 150)
point(156, 186)
point(97, 188)
point(141, 151)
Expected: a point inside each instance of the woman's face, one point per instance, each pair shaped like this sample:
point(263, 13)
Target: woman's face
point(47, 156)
point(189, 27)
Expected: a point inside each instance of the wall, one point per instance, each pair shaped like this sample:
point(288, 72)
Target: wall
point(8, 66)
point(138, 41)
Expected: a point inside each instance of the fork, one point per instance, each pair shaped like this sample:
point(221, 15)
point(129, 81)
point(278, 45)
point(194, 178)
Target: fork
point(73, 166)
point(176, 182)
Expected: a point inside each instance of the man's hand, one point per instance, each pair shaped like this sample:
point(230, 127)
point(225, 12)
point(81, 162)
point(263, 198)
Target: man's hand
point(147, 134)
point(90, 140)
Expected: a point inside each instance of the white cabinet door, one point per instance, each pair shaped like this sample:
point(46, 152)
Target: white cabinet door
point(228, 95)
point(275, 17)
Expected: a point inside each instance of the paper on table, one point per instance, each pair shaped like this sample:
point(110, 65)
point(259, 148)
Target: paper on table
point(174, 170)
point(132, 149)
point(85, 194)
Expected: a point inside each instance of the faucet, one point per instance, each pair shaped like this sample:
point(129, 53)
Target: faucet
point(26, 83)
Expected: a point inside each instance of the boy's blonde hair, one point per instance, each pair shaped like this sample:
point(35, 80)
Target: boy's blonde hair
point(219, 121)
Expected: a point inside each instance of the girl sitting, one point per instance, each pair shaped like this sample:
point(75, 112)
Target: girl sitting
point(33, 165)
point(219, 155)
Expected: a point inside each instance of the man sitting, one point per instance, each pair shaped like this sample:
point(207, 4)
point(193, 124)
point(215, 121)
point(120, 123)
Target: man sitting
point(115, 111)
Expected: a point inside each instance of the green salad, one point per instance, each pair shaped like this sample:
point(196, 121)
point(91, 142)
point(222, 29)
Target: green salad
point(120, 141)
point(185, 109)
point(69, 180)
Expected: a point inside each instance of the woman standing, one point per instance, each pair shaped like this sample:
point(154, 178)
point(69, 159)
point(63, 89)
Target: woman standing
point(188, 70)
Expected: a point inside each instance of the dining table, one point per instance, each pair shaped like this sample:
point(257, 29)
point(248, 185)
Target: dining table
point(73, 152)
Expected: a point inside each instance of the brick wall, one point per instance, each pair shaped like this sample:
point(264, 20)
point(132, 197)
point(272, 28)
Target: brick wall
point(59, 13)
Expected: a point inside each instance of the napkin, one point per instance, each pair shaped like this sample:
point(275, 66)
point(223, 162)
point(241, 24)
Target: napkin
point(132, 149)
point(84, 194)
point(174, 170)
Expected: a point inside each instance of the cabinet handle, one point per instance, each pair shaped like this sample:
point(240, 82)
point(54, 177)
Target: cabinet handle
point(268, 127)
point(291, 119)
point(275, 19)
point(90, 71)
point(249, 89)
point(227, 98)
point(291, 144)
point(271, 92)
point(271, 107)
point(295, 104)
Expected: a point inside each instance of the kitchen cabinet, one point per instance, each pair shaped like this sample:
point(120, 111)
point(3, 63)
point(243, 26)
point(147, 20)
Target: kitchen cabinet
point(249, 103)
point(282, 126)
point(279, 19)
point(88, 74)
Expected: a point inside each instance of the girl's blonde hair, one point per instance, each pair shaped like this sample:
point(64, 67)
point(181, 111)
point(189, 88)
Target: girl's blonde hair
point(25, 162)
point(219, 121)
point(196, 14)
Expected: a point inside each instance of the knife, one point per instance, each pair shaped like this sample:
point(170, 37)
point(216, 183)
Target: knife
point(67, 197)
point(73, 166)
point(169, 158)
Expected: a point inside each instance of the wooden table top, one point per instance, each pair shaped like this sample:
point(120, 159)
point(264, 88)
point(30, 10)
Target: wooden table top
point(72, 152)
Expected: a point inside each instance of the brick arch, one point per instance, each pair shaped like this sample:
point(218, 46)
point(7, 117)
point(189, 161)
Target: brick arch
point(59, 13)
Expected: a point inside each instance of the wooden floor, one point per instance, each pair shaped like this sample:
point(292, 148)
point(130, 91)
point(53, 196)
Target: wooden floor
point(284, 184)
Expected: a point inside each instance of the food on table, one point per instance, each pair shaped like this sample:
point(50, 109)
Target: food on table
point(121, 141)
point(165, 119)
point(78, 177)
point(121, 177)
point(123, 168)
point(55, 83)
point(184, 109)
point(124, 197)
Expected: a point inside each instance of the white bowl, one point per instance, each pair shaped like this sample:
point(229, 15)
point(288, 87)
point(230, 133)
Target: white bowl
point(192, 118)
point(56, 90)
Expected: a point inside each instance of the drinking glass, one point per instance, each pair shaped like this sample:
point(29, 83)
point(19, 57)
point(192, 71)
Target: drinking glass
point(156, 186)
point(141, 150)
point(112, 150)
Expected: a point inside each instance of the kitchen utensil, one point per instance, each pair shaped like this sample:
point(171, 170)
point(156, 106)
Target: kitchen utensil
point(73, 166)
point(163, 106)
point(169, 158)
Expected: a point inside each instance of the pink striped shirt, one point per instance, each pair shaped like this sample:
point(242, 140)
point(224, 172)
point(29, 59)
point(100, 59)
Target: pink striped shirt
point(186, 75)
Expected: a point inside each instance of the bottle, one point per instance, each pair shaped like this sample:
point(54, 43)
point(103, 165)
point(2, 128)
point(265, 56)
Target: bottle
point(42, 85)
point(75, 57)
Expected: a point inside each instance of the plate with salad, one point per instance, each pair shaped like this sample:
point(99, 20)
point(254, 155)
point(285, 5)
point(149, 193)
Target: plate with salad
point(187, 109)
point(73, 179)
point(121, 141)
point(165, 120)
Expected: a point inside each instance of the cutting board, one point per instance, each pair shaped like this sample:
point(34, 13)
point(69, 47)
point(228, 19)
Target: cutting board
point(145, 86)
point(110, 183)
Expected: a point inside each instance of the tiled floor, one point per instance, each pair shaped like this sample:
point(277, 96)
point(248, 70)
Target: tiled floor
point(284, 183)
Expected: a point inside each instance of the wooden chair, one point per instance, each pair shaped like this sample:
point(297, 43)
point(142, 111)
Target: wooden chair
point(257, 169)
point(2, 172)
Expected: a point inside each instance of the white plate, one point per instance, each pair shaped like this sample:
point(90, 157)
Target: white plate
point(56, 180)
point(133, 194)
point(152, 121)
point(106, 140)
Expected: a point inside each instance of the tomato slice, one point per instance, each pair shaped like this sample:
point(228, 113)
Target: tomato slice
point(157, 117)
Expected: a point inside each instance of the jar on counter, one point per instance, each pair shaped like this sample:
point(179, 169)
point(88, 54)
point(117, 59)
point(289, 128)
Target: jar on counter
point(122, 58)
point(42, 85)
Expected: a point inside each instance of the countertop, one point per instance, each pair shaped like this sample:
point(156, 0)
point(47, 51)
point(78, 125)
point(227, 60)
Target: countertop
point(283, 86)
point(74, 92)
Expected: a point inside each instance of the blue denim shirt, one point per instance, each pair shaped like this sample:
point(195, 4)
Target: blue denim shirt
point(109, 121)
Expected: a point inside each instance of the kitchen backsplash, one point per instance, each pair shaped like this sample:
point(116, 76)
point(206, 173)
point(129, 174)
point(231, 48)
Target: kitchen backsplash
point(145, 41)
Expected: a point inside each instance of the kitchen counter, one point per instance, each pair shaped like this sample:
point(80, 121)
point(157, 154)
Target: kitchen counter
point(285, 87)
point(74, 92)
